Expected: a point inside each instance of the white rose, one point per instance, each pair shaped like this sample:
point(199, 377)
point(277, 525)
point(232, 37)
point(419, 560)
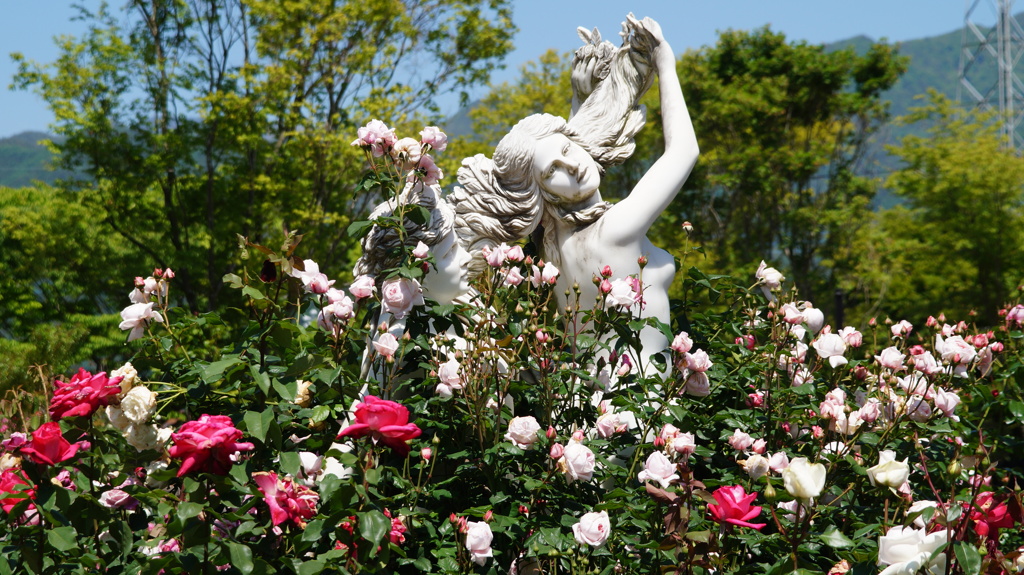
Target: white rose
point(128, 374)
point(522, 431)
point(593, 529)
point(139, 404)
point(117, 418)
point(478, 541)
point(804, 480)
point(756, 466)
point(907, 550)
point(577, 462)
point(659, 468)
point(143, 437)
point(889, 472)
point(831, 347)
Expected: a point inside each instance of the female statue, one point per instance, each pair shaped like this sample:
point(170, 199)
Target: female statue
point(545, 176)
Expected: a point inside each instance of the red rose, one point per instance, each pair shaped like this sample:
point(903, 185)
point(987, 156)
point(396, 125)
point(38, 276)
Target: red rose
point(286, 499)
point(989, 515)
point(83, 395)
point(385, 421)
point(12, 490)
point(48, 445)
point(207, 445)
point(734, 507)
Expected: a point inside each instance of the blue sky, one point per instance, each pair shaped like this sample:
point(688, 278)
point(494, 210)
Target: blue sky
point(29, 27)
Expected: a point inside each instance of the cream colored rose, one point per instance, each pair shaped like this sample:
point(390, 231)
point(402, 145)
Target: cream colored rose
point(143, 437)
point(117, 418)
point(889, 472)
point(129, 376)
point(804, 480)
point(303, 397)
point(139, 404)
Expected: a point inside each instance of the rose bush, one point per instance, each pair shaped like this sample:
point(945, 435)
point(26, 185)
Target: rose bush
point(508, 433)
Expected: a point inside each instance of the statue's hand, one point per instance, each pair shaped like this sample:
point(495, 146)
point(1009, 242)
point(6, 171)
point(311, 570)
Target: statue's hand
point(591, 63)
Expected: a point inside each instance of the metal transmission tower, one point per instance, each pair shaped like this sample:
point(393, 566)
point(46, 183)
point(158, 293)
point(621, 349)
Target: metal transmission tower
point(989, 56)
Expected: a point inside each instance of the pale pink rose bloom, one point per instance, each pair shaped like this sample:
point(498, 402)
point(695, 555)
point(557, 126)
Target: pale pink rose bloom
point(433, 137)
point(918, 409)
point(496, 256)
point(311, 467)
point(138, 296)
point(756, 466)
point(136, 316)
point(659, 468)
point(684, 444)
point(577, 462)
point(557, 451)
point(831, 347)
point(593, 529)
point(549, 274)
point(117, 498)
point(377, 135)
point(901, 329)
point(955, 350)
point(800, 375)
point(791, 313)
point(668, 431)
point(851, 336)
point(421, 251)
point(319, 284)
point(926, 363)
point(848, 424)
point(386, 344)
point(1015, 315)
point(759, 446)
point(697, 384)
point(813, 317)
point(915, 384)
point(870, 411)
point(891, 358)
point(515, 254)
point(398, 295)
point(778, 461)
point(448, 373)
point(985, 359)
point(698, 361)
point(607, 424)
point(478, 541)
point(512, 277)
point(621, 295)
point(427, 170)
point(407, 150)
point(523, 431)
point(798, 331)
point(834, 404)
point(946, 402)
point(682, 342)
point(769, 279)
point(362, 287)
point(740, 440)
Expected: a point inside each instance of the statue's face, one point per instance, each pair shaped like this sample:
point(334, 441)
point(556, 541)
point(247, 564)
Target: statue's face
point(564, 169)
point(451, 278)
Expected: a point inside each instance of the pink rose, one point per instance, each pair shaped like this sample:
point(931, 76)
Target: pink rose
point(515, 254)
point(813, 317)
point(523, 431)
point(593, 529)
point(513, 277)
point(362, 287)
point(831, 347)
point(207, 445)
point(478, 541)
point(769, 277)
point(385, 421)
point(577, 462)
point(548, 275)
point(386, 345)
point(448, 373)
point(698, 361)
point(740, 440)
point(407, 151)
point(684, 444)
point(697, 384)
point(659, 468)
point(496, 256)
point(682, 343)
point(946, 401)
point(398, 295)
point(851, 336)
point(421, 251)
point(377, 136)
point(1015, 315)
point(433, 137)
point(607, 424)
point(734, 507)
point(83, 395)
point(791, 313)
point(136, 317)
point(48, 446)
point(621, 294)
point(955, 350)
point(117, 498)
point(427, 170)
point(14, 490)
point(901, 329)
point(287, 500)
point(891, 358)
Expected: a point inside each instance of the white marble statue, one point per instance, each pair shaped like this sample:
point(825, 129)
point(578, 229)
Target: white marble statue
point(546, 173)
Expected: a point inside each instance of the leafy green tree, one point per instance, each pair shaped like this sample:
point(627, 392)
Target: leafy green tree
point(192, 121)
point(957, 245)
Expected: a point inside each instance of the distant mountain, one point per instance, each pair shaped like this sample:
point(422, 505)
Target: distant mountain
point(24, 161)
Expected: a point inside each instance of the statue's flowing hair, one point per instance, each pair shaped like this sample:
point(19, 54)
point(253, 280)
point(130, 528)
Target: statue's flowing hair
point(383, 247)
point(501, 200)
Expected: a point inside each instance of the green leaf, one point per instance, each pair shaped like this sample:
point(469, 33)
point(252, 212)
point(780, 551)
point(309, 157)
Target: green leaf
point(188, 510)
point(1017, 409)
point(241, 556)
point(373, 526)
point(253, 293)
point(258, 424)
point(834, 538)
point(968, 558)
point(358, 229)
point(261, 379)
point(290, 462)
point(320, 413)
point(215, 370)
point(63, 538)
point(311, 567)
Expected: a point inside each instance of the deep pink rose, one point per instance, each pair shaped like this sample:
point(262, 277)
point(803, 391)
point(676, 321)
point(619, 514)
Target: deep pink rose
point(385, 421)
point(14, 490)
point(287, 500)
point(207, 445)
point(734, 507)
point(83, 395)
point(48, 445)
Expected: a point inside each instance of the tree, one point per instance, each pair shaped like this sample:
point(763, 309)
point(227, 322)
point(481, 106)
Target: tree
point(196, 120)
point(957, 245)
